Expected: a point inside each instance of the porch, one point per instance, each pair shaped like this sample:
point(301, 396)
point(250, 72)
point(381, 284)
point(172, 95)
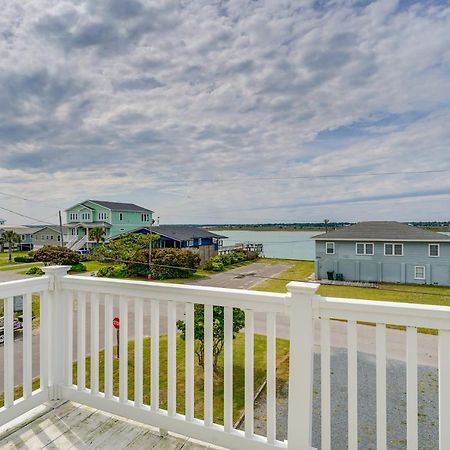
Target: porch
point(75, 324)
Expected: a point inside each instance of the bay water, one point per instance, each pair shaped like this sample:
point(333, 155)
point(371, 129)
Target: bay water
point(277, 244)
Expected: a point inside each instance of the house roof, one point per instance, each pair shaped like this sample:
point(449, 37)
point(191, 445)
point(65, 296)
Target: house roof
point(54, 228)
point(19, 229)
point(118, 206)
point(382, 231)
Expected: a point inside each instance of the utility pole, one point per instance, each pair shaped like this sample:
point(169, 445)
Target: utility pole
point(326, 222)
point(150, 248)
point(61, 229)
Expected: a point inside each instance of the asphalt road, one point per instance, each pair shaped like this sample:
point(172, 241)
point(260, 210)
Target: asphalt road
point(243, 277)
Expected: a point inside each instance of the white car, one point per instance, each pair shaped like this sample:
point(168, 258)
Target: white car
point(2, 336)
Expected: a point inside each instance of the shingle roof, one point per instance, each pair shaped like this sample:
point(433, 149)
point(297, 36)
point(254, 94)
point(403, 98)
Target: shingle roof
point(118, 206)
point(184, 232)
point(382, 231)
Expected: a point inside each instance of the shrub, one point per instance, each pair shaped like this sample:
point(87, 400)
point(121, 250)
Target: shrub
point(53, 254)
point(23, 259)
point(166, 263)
point(219, 262)
point(113, 272)
point(34, 271)
point(80, 267)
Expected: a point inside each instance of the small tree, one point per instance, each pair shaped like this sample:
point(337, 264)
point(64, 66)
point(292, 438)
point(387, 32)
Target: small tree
point(218, 331)
point(2, 243)
point(11, 238)
point(53, 254)
point(97, 234)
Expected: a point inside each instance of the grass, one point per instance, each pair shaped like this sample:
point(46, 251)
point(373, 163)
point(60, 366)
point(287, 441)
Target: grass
point(238, 375)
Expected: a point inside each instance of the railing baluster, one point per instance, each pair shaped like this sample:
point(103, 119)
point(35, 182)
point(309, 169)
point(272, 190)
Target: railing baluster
point(27, 346)
point(44, 323)
point(189, 361)
point(171, 358)
point(68, 350)
point(444, 389)
point(271, 378)
point(123, 350)
point(411, 388)
point(81, 340)
point(325, 382)
point(381, 385)
point(108, 346)
point(94, 342)
point(138, 351)
point(8, 351)
point(249, 373)
point(155, 355)
point(228, 369)
point(352, 383)
point(208, 373)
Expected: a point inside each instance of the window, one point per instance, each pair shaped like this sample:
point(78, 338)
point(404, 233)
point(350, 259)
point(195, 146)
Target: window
point(393, 249)
point(419, 272)
point(73, 216)
point(102, 216)
point(145, 217)
point(120, 216)
point(74, 231)
point(329, 248)
point(364, 249)
point(85, 216)
point(433, 250)
point(59, 237)
point(51, 237)
point(190, 243)
point(199, 241)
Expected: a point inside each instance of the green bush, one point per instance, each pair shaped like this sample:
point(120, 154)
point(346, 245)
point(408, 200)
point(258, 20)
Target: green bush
point(113, 272)
point(34, 271)
point(219, 262)
point(23, 259)
point(80, 267)
point(53, 254)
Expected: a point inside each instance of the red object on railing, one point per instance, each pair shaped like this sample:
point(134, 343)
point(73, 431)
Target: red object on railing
point(116, 323)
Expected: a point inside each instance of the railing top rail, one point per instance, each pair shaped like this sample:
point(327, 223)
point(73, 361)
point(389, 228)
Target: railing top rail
point(25, 286)
point(398, 313)
point(238, 298)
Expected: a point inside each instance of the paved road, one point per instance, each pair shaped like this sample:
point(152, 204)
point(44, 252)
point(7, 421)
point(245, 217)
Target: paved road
point(427, 344)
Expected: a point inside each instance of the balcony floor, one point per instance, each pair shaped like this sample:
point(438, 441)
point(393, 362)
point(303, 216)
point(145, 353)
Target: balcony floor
point(70, 425)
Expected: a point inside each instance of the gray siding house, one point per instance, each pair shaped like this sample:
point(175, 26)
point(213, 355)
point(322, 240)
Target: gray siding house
point(389, 252)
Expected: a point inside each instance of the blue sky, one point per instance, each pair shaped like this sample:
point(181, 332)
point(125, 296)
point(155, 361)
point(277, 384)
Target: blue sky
point(139, 100)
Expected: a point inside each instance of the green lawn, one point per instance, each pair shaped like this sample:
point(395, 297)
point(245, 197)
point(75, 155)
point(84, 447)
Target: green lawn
point(238, 375)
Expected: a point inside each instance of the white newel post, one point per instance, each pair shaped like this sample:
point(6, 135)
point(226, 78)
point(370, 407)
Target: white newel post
point(301, 365)
point(57, 326)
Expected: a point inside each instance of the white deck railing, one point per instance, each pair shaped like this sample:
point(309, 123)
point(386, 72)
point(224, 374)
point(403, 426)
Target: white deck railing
point(77, 312)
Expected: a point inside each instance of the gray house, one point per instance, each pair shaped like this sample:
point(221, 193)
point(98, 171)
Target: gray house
point(389, 252)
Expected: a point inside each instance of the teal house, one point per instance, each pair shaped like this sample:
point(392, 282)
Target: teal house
point(114, 217)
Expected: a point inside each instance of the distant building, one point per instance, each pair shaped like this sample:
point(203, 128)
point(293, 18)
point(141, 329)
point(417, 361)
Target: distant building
point(50, 235)
point(25, 233)
point(114, 217)
point(384, 252)
point(195, 239)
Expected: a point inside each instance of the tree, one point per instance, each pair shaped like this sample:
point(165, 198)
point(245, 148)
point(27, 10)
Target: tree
point(11, 238)
point(218, 331)
point(97, 234)
point(54, 254)
point(2, 243)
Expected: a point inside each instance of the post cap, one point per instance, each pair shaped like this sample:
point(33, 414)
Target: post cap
point(299, 287)
point(56, 270)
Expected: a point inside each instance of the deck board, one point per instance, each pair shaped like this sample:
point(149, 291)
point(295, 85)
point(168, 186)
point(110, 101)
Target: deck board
point(73, 426)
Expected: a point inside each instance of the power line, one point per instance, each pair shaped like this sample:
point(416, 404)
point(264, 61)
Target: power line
point(25, 216)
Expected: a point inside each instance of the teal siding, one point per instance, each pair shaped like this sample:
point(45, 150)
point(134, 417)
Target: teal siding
point(381, 268)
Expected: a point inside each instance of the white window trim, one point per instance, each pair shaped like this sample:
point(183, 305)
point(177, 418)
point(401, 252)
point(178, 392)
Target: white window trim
point(429, 251)
point(393, 248)
point(333, 244)
point(415, 273)
point(365, 244)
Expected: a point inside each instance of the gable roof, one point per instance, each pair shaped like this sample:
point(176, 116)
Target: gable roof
point(115, 206)
point(382, 231)
point(54, 228)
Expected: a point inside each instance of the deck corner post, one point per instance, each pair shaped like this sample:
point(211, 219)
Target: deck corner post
point(301, 365)
point(55, 335)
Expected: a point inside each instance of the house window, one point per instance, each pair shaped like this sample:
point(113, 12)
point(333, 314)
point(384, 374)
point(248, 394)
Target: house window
point(102, 216)
point(419, 272)
point(363, 248)
point(120, 216)
point(190, 243)
point(73, 216)
point(74, 231)
point(59, 237)
point(433, 250)
point(145, 217)
point(393, 249)
point(329, 248)
point(51, 237)
point(199, 241)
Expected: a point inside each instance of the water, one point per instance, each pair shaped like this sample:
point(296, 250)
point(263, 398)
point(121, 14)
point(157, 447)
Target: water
point(277, 244)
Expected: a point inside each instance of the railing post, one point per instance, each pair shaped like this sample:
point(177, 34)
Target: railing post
point(56, 334)
point(301, 365)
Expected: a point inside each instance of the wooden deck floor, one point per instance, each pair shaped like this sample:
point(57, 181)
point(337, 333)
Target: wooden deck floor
point(75, 426)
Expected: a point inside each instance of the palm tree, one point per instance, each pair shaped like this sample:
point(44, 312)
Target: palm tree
point(11, 238)
point(98, 234)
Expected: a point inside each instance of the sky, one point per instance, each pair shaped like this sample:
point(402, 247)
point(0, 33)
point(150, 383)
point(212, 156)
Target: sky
point(216, 111)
